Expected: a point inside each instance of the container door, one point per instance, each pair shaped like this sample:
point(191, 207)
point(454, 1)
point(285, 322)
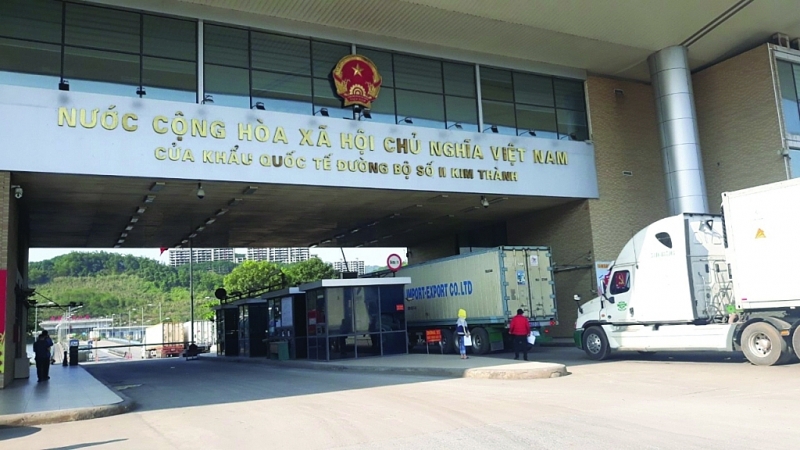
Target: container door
point(541, 286)
point(517, 280)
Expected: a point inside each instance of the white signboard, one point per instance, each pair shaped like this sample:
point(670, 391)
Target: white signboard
point(287, 314)
point(68, 132)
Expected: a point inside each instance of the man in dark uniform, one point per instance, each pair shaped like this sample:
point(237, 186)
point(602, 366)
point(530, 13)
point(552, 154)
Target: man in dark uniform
point(41, 348)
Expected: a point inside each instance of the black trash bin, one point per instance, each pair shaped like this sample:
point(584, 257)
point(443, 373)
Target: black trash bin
point(73, 352)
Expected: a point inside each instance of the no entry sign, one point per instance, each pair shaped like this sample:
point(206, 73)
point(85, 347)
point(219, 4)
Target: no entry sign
point(394, 262)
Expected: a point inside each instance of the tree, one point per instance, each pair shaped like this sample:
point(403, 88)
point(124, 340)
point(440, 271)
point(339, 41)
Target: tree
point(307, 271)
point(253, 275)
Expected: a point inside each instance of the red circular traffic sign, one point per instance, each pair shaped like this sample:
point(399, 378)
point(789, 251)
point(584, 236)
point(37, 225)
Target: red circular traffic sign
point(394, 262)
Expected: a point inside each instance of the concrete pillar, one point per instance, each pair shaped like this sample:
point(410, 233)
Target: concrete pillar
point(9, 331)
point(677, 122)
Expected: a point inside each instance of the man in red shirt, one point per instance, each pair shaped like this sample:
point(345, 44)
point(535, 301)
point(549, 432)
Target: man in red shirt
point(519, 329)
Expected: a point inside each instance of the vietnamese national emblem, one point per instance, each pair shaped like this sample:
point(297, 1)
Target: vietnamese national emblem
point(357, 80)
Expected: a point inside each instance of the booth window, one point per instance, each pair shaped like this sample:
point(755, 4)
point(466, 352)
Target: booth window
point(789, 78)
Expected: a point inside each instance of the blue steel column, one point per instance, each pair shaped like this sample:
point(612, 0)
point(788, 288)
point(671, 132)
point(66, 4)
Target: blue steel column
point(677, 122)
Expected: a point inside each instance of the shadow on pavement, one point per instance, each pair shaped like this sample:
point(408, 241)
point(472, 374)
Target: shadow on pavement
point(7, 433)
point(176, 383)
point(571, 356)
point(85, 445)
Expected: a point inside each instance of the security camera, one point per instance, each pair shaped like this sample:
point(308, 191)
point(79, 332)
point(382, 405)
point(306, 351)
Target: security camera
point(17, 192)
point(484, 202)
point(200, 192)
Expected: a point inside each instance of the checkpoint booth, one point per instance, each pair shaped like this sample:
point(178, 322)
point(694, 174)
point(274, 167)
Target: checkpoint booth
point(354, 318)
point(227, 318)
point(286, 330)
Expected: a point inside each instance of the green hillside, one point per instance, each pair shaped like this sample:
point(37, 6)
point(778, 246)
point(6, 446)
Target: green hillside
point(128, 286)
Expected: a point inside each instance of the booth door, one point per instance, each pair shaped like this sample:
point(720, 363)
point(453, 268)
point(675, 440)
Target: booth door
point(231, 318)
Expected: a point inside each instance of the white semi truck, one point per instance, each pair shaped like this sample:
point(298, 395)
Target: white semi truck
point(706, 282)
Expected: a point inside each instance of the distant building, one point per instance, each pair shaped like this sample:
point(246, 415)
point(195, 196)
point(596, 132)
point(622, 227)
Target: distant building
point(351, 266)
point(285, 255)
point(179, 257)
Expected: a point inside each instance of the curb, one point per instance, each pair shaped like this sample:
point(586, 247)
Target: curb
point(68, 415)
point(549, 371)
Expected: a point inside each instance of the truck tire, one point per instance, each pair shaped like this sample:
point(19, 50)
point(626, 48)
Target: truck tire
point(796, 342)
point(763, 345)
point(480, 341)
point(595, 343)
point(449, 345)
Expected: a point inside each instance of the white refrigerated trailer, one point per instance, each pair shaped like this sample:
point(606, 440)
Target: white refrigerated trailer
point(706, 282)
point(490, 285)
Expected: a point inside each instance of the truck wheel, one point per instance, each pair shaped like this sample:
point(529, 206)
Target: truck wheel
point(796, 342)
point(595, 343)
point(762, 344)
point(448, 343)
point(480, 341)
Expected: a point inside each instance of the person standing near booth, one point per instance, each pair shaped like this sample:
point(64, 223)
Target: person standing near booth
point(462, 331)
point(519, 329)
point(41, 349)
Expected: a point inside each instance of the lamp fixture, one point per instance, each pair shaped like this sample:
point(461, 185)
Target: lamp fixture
point(157, 186)
point(134, 219)
point(531, 132)
point(259, 106)
point(221, 212)
point(120, 241)
point(571, 137)
point(373, 241)
point(313, 245)
point(234, 202)
point(129, 228)
point(184, 241)
point(484, 201)
point(322, 112)
point(141, 210)
point(63, 85)
point(208, 99)
point(355, 230)
point(364, 112)
point(193, 235)
point(250, 190)
point(123, 235)
point(406, 120)
point(492, 128)
point(210, 221)
point(339, 236)
point(457, 125)
point(150, 199)
point(325, 241)
point(140, 91)
point(116, 246)
point(200, 228)
point(201, 193)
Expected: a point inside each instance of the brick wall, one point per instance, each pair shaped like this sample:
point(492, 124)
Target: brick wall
point(739, 124)
point(625, 136)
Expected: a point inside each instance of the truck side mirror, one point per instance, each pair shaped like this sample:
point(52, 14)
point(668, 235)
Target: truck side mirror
point(577, 299)
point(610, 300)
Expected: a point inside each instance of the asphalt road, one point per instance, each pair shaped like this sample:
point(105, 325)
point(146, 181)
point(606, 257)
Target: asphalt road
point(695, 401)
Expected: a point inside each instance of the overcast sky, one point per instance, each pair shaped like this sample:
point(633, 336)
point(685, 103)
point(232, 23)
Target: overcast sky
point(370, 256)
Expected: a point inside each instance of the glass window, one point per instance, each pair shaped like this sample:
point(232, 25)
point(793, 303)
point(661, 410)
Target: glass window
point(419, 74)
point(281, 53)
point(382, 109)
point(340, 310)
point(496, 85)
point(794, 163)
point(282, 92)
point(325, 97)
point(463, 111)
point(620, 282)
point(540, 120)
point(423, 109)
point(108, 29)
point(325, 56)
point(533, 89)
point(223, 45)
point(572, 124)
point(169, 38)
point(366, 306)
point(500, 115)
point(168, 79)
point(383, 61)
point(459, 79)
point(25, 63)
point(569, 94)
point(101, 72)
point(229, 86)
point(789, 76)
point(38, 20)
point(392, 309)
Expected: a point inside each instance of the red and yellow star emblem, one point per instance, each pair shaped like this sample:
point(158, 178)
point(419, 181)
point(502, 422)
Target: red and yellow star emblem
point(357, 80)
